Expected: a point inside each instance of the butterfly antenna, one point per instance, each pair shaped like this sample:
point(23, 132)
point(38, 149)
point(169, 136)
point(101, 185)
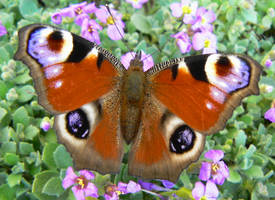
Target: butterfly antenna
point(113, 19)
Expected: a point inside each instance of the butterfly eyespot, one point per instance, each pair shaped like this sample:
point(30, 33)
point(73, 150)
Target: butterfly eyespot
point(77, 124)
point(182, 140)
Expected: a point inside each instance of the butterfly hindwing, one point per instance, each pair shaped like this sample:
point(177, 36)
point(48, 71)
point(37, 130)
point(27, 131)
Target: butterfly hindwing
point(203, 90)
point(68, 71)
point(164, 145)
point(92, 135)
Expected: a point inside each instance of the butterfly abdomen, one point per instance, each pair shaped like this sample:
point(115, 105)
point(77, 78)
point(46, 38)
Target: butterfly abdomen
point(132, 100)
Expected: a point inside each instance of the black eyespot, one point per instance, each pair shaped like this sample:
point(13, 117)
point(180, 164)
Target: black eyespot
point(77, 124)
point(182, 140)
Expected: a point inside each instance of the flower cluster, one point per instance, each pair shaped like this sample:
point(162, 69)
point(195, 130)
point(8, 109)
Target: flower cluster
point(83, 13)
point(113, 191)
point(214, 172)
point(82, 186)
point(198, 25)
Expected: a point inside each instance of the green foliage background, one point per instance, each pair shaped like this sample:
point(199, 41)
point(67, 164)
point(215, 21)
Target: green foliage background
point(33, 164)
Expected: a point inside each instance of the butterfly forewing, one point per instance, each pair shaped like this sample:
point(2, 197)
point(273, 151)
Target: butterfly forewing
point(68, 70)
point(203, 90)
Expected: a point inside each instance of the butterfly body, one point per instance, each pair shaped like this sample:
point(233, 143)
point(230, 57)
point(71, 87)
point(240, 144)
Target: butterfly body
point(164, 113)
point(132, 99)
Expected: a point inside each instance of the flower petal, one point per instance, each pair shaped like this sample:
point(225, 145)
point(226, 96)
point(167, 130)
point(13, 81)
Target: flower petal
point(91, 190)
point(167, 184)
point(270, 115)
point(176, 9)
point(133, 187)
point(205, 171)
point(79, 194)
point(214, 155)
point(87, 174)
point(69, 179)
point(198, 41)
point(113, 33)
point(198, 190)
point(211, 190)
point(56, 18)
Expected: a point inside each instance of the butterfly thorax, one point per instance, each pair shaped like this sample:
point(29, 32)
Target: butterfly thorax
point(132, 100)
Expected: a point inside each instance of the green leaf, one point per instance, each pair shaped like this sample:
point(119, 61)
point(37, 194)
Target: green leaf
point(11, 158)
point(25, 93)
point(21, 116)
point(39, 182)
point(7, 193)
point(3, 89)
point(25, 148)
point(31, 131)
point(27, 7)
point(47, 156)
point(250, 15)
point(8, 147)
point(4, 55)
point(241, 138)
point(14, 179)
point(53, 187)
point(3, 113)
point(234, 176)
point(254, 172)
point(23, 78)
point(141, 23)
point(62, 158)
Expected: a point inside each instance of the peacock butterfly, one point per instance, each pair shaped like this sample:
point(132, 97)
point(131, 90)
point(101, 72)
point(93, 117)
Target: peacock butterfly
point(165, 113)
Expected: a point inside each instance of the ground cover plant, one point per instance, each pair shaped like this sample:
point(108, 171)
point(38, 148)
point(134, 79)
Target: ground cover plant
point(237, 162)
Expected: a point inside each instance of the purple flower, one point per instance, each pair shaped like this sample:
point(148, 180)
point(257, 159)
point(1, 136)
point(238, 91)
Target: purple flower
point(270, 115)
point(137, 3)
point(115, 24)
point(89, 30)
point(80, 11)
point(167, 184)
point(113, 191)
point(209, 192)
point(206, 41)
point(187, 9)
point(45, 124)
point(152, 186)
point(3, 29)
point(82, 187)
point(268, 62)
point(218, 169)
point(183, 41)
point(147, 60)
point(204, 18)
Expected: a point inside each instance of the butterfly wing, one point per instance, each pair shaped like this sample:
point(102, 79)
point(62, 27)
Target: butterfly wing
point(77, 81)
point(68, 71)
point(204, 90)
point(92, 135)
point(164, 145)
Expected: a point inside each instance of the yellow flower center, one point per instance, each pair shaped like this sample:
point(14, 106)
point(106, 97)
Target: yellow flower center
point(80, 181)
point(186, 10)
point(203, 20)
point(207, 43)
point(203, 198)
point(78, 11)
point(91, 29)
point(215, 167)
point(110, 20)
